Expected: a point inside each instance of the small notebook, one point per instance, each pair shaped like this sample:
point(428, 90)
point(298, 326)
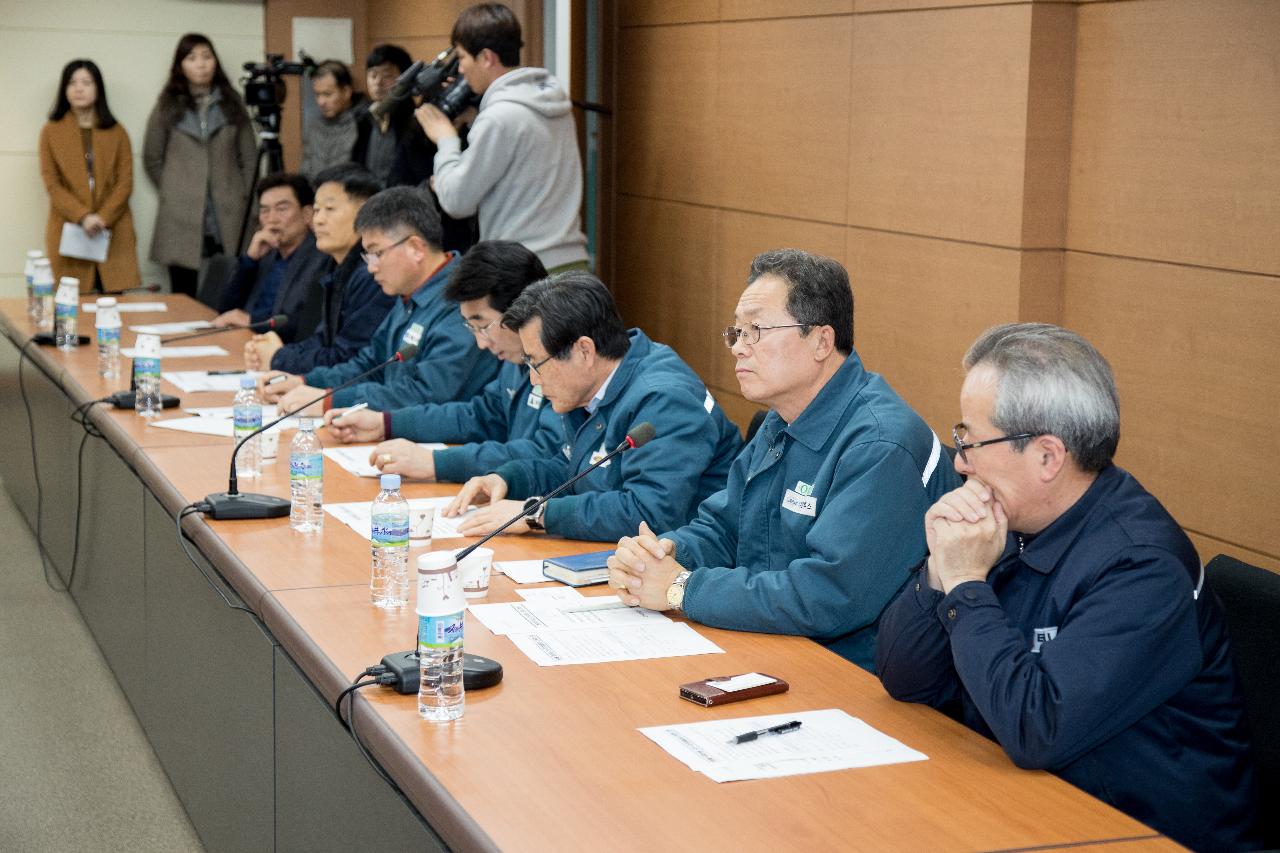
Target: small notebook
point(578, 569)
point(76, 243)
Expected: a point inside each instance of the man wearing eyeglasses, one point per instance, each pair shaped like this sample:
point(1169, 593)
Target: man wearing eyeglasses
point(604, 379)
point(400, 229)
point(1062, 610)
point(819, 524)
point(508, 420)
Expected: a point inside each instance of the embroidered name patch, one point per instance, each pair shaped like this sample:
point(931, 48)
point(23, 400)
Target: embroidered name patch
point(412, 335)
point(1040, 636)
point(800, 504)
point(598, 455)
point(535, 398)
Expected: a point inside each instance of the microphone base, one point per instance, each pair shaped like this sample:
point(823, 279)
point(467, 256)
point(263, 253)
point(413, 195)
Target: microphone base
point(224, 506)
point(125, 400)
point(477, 672)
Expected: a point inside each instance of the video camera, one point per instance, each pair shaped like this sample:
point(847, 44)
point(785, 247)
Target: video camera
point(264, 90)
point(429, 83)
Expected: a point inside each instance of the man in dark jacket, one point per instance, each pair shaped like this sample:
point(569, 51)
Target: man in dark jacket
point(352, 304)
point(279, 272)
point(1063, 612)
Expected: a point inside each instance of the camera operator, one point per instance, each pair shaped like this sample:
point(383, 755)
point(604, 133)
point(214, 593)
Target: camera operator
point(521, 170)
point(330, 137)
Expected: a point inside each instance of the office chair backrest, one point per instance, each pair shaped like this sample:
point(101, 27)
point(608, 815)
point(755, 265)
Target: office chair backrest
point(1250, 597)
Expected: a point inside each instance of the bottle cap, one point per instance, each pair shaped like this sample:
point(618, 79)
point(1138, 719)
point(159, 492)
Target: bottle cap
point(390, 481)
point(34, 253)
point(68, 290)
point(147, 346)
point(247, 382)
point(106, 302)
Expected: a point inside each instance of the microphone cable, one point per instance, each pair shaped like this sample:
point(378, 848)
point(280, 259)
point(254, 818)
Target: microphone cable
point(45, 560)
point(194, 509)
point(377, 677)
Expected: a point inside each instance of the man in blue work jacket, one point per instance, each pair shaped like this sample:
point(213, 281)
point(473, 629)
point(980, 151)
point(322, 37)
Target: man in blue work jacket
point(510, 419)
point(820, 520)
point(400, 229)
point(1063, 611)
point(604, 380)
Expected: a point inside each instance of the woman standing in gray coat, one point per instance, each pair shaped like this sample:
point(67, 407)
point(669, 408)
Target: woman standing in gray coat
point(201, 154)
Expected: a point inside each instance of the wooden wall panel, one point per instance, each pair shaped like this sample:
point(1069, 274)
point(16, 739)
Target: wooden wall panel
point(738, 10)
point(1177, 117)
point(1209, 547)
point(666, 282)
point(1195, 354)
point(420, 47)
point(635, 13)
point(937, 142)
point(919, 304)
point(869, 6)
point(666, 112)
point(1050, 73)
point(778, 107)
point(742, 236)
point(392, 19)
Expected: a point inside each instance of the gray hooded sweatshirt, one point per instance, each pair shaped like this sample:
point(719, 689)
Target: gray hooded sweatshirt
point(521, 171)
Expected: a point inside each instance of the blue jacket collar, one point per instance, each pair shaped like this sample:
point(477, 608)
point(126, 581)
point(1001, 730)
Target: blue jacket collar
point(640, 347)
point(827, 410)
point(423, 295)
point(1046, 549)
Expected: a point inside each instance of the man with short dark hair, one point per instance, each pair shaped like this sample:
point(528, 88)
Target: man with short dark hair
point(604, 379)
point(329, 133)
point(1062, 611)
point(351, 305)
point(820, 521)
point(400, 230)
point(521, 170)
point(279, 271)
point(508, 420)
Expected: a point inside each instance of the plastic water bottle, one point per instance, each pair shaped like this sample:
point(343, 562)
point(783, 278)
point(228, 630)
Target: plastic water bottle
point(66, 314)
point(441, 693)
point(389, 577)
point(247, 413)
point(42, 292)
point(306, 480)
point(107, 324)
point(29, 272)
point(146, 376)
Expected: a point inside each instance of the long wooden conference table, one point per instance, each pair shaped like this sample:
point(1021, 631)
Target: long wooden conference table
point(238, 703)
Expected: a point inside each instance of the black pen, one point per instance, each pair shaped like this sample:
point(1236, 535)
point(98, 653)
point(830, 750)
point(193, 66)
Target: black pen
point(234, 372)
point(747, 737)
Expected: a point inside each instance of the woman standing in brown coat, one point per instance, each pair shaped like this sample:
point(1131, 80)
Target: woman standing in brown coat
point(201, 154)
point(87, 165)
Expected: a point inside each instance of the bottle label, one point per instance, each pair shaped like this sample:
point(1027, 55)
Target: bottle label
point(247, 419)
point(390, 532)
point(42, 288)
point(306, 466)
point(144, 367)
point(440, 633)
point(108, 335)
point(64, 311)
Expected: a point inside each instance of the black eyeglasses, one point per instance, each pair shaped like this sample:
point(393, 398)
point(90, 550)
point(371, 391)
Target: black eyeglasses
point(959, 431)
point(751, 334)
point(532, 365)
point(371, 258)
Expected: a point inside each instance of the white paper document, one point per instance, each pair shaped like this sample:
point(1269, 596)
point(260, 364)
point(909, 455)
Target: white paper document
point(518, 617)
point(191, 381)
point(555, 593)
point(128, 307)
point(604, 645)
point(826, 740)
point(176, 328)
point(355, 457)
point(76, 243)
point(179, 352)
point(204, 425)
point(523, 571)
point(358, 517)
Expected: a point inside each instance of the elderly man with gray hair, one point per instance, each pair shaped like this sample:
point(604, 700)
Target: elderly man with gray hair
point(1062, 610)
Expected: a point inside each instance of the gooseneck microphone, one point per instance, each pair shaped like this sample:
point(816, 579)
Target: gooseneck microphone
point(276, 322)
point(479, 672)
point(640, 434)
point(234, 504)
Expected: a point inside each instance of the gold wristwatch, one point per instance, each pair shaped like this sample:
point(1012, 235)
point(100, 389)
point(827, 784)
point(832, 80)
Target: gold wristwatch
point(675, 592)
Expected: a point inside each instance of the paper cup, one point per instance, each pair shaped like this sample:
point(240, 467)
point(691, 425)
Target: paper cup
point(475, 569)
point(421, 522)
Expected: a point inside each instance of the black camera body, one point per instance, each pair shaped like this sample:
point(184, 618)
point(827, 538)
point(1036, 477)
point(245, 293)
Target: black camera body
point(430, 81)
point(264, 90)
